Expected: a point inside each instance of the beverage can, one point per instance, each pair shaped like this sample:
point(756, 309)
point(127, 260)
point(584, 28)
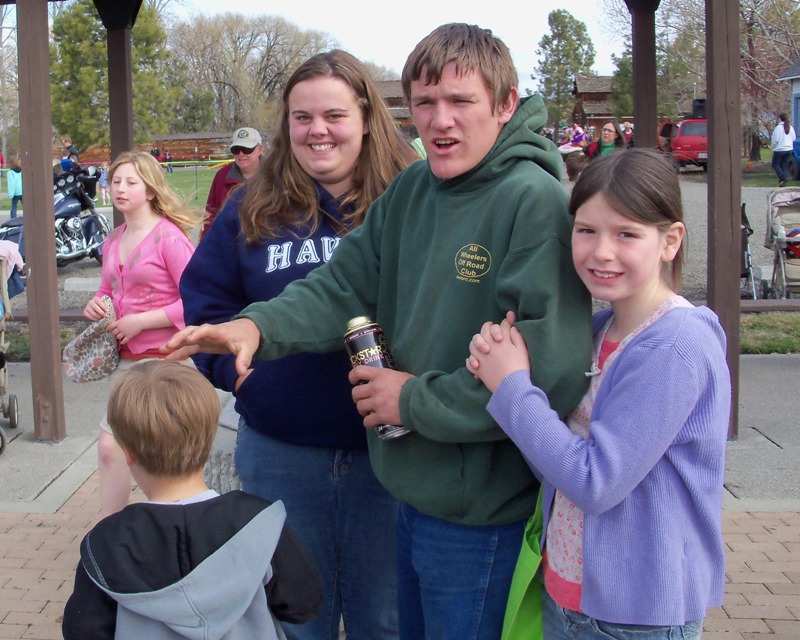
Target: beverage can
point(366, 344)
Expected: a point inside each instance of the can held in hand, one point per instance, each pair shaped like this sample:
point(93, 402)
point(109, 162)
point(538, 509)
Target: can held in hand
point(366, 344)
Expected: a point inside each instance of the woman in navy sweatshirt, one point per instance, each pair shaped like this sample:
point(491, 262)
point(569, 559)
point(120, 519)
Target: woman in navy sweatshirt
point(300, 438)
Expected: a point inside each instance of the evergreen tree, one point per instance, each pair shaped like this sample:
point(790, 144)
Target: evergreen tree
point(79, 75)
point(566, 52)
point(622, 82)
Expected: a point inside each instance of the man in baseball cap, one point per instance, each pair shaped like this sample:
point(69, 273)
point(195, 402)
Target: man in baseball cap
point(246, 149)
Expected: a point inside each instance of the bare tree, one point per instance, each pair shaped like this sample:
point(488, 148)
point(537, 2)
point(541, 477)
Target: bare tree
point(9, 95)
point(245, 61)
point(770, 43)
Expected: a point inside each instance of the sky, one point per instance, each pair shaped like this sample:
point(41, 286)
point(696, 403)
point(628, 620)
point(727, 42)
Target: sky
point(386, 33)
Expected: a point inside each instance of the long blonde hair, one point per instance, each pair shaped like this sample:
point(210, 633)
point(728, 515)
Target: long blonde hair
point(165, 202)
point(282, 195)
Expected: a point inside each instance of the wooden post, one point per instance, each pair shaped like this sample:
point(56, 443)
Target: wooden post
point(724, 179)
point(120, 95)
point(40, 251)
point(643, 14)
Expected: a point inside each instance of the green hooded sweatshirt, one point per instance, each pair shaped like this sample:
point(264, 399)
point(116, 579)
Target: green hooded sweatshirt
point(433, 261)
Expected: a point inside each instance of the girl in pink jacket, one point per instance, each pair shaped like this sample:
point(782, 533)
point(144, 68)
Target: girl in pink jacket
point(143, 260)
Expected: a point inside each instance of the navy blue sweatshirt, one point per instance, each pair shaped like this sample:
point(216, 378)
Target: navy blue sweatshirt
point(303, 399)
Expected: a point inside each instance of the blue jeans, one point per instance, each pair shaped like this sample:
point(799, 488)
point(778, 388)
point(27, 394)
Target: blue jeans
point(14, 203)
point(453, 580)
point(780, 162)
point(344, 518)
point(562, 624)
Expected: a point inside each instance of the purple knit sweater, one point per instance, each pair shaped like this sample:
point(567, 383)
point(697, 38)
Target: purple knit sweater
point(649, 477)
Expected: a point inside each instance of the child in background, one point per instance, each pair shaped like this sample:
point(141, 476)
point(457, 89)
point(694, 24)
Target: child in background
point(143, 262)
point(633, 481)
point(103, 184)
point(14, 180)
point(188, 558)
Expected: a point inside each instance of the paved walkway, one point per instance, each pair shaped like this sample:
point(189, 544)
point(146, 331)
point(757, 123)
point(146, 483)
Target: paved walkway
point(44, 519)
point(38, 554)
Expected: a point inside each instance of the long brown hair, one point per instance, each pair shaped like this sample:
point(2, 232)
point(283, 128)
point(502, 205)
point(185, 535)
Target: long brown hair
point(641, 185)
point(282, 195)
point(165, 202)
point(783, 118)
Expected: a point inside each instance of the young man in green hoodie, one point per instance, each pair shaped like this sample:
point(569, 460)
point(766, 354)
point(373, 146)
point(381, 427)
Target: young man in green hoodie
point(479, 228)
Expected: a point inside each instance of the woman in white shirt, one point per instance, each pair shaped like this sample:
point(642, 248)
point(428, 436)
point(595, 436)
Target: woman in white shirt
point(782, 144)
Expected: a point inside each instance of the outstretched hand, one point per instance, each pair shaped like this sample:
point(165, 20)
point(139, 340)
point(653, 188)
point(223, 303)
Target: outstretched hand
point(497, 351)
point(240, 337)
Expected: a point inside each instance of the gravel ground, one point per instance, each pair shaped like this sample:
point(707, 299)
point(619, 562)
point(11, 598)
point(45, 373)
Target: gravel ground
point(86, 268)
point(695, 205)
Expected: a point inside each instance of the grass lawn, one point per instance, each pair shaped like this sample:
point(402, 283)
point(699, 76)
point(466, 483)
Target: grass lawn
point(769, 333)
point(754, 174)
point(192, 183)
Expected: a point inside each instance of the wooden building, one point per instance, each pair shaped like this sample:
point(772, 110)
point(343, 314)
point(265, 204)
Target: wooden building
point(392, 94)
point(593, 104)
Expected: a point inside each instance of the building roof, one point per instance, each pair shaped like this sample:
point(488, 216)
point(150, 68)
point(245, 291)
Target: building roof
point(791, 73)
point(400, 113)
point(593, 84)
point(390, 89)
point(597, 108)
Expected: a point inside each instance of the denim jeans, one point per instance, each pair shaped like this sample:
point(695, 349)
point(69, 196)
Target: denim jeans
point(453, 580)
point(343, 517)
point(780, 163)
point(562, 624)
point(14, 203)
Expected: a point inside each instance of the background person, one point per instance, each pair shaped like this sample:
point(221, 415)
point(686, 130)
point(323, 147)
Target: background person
point(102, 182)
point(165, 564)
point(70, 149)
point(627, 130)
point(611, 139)
point(14, 183)
point(300, 437)
point(143, 262)
point(783, 137)
point(644, 451)
point(246, 149)
point(479, 228)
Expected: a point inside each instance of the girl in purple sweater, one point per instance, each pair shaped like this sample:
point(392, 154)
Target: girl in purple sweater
point(632, 483)
point(143, 262)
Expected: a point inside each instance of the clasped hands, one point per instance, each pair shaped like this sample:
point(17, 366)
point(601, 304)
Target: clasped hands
point(497, 351)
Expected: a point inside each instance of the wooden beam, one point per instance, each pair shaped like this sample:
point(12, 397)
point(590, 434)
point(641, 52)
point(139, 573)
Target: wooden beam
point(120, 95)
point(36, 146)
point(644, 73)
point(724, 178)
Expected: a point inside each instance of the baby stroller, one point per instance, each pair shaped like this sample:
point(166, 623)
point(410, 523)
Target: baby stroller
point(752, 286)
point(783, 237)
point(9, 287)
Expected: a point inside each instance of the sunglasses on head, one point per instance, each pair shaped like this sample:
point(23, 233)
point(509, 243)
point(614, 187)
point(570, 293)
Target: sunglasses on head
point(237, 150)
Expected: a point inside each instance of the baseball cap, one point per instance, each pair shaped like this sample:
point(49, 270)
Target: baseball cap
point(246, 137)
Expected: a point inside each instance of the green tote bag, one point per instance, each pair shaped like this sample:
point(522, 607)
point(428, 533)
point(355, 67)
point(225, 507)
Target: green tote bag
point(523, 618)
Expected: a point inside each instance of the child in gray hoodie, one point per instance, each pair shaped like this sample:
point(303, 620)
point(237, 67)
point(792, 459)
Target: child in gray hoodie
point(189, 563)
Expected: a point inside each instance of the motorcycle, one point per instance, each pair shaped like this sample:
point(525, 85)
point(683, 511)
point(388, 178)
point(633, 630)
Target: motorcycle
point(79, 228)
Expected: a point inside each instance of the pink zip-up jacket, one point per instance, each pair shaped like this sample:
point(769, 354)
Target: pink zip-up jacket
point(148, 280)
